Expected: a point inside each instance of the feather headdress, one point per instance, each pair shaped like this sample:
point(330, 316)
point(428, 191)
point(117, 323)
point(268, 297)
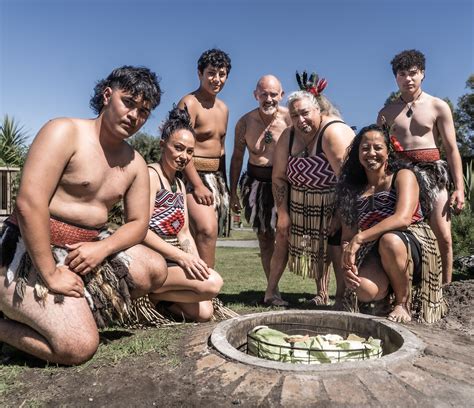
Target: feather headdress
point(312, 85)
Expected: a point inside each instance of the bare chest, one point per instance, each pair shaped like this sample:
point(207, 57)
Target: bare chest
point(92, 176)
point(415, 130)
point(260, 139)
point(210, 124)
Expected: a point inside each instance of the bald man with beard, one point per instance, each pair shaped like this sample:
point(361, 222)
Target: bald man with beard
point(258, 131)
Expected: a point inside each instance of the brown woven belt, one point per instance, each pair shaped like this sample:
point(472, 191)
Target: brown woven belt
point(62, 233)
point(206, 163)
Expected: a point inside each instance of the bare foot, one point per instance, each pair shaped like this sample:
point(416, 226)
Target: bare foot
point(399, 314)
point(321, 299)
point(276, 302)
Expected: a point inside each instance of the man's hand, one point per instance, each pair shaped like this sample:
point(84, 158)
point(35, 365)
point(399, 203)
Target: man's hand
point(85, 256)
point(457, 201)
point(194, 266)
point(203, 195)
point(235, 204)
point(65, 282)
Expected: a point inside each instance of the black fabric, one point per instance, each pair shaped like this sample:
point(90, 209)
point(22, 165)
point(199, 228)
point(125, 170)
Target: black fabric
point(320, 136)
point(319, 143)
point(335, 239)
point(159, 178)
point(260, 173)
point(409, 239)
point(162, 187)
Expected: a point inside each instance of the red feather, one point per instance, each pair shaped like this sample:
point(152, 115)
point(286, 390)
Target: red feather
point(313, 90)
point(396, 144)
point(322, 83)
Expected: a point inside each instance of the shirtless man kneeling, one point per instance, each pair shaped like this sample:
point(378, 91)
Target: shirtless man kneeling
point(62, 273)
point(207, 191)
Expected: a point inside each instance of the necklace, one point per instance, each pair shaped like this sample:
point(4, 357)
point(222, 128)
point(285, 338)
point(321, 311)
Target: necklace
point(410, 106)
point(268, 135)
point(306, 148)
point(174, 184)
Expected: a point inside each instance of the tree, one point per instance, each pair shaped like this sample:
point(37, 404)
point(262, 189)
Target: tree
point(392, 97)
point(464, 120)
point(13, 143)
point(148, 146)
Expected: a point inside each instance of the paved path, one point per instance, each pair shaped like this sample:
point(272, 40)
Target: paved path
point(237, 243)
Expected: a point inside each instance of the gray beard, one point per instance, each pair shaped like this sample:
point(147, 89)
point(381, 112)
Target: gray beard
point(271, 110)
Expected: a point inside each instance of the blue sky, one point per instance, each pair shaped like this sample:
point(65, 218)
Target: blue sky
point(53, 52)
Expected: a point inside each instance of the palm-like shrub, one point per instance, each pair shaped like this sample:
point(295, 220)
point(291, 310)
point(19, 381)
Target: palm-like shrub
point(13, 143)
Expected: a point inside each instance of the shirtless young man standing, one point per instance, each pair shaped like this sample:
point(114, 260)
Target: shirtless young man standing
point(55, 256)
point(259, 131)
point(418, 120)
point(208, 196)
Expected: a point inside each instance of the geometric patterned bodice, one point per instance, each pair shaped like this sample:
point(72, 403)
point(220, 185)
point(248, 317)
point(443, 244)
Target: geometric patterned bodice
point(168, 213)
point(379, 206)
point(313, 172)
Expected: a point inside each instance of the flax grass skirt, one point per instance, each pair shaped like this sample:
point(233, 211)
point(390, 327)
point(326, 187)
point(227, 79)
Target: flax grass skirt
point(426, 301)
point(311, 214)
point(143, 313)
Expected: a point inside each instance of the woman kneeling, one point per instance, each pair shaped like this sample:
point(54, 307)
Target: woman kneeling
point(191, 284)
point(387, 246)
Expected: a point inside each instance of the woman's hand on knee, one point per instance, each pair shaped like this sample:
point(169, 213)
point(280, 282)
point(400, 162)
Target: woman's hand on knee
point(351, 277)
point(194, 267)
point(349, 251)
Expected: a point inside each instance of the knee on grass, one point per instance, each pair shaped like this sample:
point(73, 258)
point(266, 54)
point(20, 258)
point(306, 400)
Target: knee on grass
point(205, 312)
point(198, 312)
point(77, 350)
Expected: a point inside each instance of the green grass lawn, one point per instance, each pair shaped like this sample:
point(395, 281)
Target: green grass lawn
point(240, 235)
point(245, 282)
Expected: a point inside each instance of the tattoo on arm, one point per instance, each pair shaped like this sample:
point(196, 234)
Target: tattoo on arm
point(240, 130)
point(186, 246)
point(280, 193)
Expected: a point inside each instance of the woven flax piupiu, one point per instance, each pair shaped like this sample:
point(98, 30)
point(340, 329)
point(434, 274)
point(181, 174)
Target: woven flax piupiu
point(312, 201)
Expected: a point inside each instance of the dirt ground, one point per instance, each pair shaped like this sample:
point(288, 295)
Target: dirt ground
point(460, 296)
point(156, 380)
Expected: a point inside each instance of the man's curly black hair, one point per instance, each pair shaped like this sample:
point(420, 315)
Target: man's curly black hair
point(216, 58)
point(408, 59)
point(138, 81)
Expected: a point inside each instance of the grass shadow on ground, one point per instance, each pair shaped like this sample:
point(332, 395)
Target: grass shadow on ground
point(253, 299)
point(110, 335)
point(10, 357)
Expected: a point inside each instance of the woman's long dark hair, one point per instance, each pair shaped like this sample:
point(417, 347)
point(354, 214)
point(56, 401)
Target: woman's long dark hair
point(353, 180)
